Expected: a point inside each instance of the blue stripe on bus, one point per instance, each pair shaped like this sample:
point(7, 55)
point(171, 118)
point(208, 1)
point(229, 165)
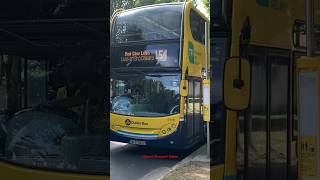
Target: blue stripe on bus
point(137, 134)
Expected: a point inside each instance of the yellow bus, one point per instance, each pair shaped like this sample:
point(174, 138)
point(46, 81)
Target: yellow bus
point(52, 90)
point(159, 61)
point(258, 41)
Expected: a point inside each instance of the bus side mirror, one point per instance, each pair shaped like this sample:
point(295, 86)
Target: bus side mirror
point(237, 84)
point(184, 88)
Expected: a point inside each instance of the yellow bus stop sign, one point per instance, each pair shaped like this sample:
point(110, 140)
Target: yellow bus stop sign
point(309, 120)
point(308, 165)
point(206, 100)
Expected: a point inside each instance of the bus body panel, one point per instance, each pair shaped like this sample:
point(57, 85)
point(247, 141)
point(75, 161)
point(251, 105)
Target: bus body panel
point(217, 172)
point(13, 172)
point(193, 63)
point(175, 140)
point(271, 25)
point(156, 126)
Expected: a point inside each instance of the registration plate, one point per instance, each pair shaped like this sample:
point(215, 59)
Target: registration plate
point(137, 142)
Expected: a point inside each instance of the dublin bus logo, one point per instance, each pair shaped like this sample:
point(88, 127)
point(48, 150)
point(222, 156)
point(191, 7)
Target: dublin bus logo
point(128, 122)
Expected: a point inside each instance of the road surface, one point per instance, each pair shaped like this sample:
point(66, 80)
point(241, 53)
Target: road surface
point(131, 162)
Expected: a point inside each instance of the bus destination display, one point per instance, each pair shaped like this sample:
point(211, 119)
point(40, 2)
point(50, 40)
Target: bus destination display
point(147, 55)
point(159, 55)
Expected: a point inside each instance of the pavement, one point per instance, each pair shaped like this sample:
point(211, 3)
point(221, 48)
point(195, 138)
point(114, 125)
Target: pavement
point(194, 166)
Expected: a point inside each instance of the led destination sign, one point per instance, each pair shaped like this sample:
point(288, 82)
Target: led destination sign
point(154, 55)
point(146, 55)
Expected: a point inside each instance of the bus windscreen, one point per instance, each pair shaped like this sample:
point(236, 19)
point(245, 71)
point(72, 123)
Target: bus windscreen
point(148, 95)
point(148, 24)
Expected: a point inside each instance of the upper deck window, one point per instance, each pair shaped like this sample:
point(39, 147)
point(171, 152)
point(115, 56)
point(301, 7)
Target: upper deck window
point(197, 26)
point(148, 24)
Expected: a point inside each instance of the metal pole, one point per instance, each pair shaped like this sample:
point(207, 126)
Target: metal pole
point(207, 77)
point(309, 24)
point(208, 139)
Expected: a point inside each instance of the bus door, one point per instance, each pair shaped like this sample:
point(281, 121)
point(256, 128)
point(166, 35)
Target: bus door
point(197, 103)
point(196, 41)
point(264, 129)
point(194, 121)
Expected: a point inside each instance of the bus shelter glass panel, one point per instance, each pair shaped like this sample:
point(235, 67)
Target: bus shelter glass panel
point(219, 46)
point(278, 116)
point(252, 124)
point(54, 123)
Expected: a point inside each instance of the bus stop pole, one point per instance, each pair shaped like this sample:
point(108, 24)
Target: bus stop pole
point(207, 76)
point(208, 140)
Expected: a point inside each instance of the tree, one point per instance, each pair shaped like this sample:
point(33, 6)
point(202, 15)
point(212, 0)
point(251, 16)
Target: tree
point(206, 4)
point(120, 4)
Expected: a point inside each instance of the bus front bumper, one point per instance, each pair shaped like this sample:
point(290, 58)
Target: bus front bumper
point(172, 141)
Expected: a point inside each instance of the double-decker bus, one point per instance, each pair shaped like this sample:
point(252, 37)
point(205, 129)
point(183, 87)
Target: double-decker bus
point(53, 119)
point(259, 139)
point(158, 63)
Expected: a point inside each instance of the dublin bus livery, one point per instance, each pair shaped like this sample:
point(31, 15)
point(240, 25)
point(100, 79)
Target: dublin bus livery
point(159, 61)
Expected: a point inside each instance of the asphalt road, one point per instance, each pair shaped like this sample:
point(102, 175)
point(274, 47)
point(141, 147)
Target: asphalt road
point(131, 162)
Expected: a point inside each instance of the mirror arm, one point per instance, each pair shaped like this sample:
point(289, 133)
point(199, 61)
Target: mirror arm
point(240, 60)
point(244, 36)
point(239, 83)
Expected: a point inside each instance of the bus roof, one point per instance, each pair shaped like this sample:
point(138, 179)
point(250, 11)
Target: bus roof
point(159, 5)
point(152, 5)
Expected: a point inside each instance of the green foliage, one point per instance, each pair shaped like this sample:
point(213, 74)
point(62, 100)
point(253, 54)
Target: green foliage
point(206, 4)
